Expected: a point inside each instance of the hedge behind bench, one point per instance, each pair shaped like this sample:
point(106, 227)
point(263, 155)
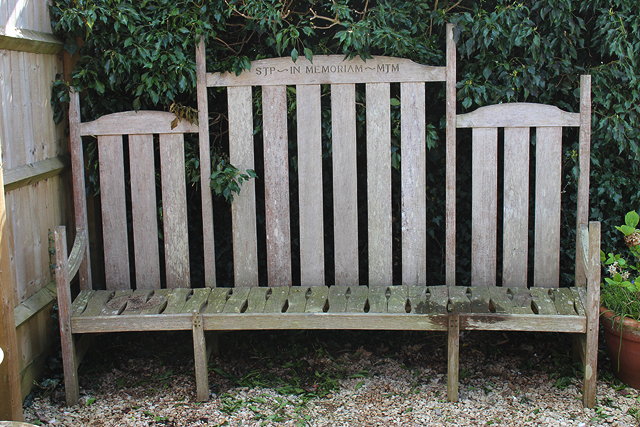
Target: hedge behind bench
point(141, 55)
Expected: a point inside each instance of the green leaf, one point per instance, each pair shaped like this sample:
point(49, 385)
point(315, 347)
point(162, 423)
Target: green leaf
point(626, 230)
point(631, 219)
point(395, 102)
point(308, 53)
point(294, 54)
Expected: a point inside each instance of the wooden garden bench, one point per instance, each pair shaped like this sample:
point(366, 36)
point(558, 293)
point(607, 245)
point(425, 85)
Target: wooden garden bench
point(135, 298)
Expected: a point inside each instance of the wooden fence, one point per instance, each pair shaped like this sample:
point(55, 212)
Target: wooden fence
point(35, 189)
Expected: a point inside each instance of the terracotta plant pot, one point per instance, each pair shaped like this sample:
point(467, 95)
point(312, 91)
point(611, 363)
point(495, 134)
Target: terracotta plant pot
point(624, 351)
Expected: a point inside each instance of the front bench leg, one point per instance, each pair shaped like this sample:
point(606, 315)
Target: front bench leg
point(200, 358)
point(453, 356)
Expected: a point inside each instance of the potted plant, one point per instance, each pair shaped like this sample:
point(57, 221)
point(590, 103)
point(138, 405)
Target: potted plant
point(620, 298)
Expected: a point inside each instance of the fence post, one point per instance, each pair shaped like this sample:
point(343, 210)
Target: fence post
point(10, 393)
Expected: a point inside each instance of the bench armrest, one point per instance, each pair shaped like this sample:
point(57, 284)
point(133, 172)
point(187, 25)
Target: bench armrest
point(588, 250)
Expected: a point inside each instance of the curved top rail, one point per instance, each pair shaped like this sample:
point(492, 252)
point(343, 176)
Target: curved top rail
point(329, 69)
point(136, 122)
point(517, 114)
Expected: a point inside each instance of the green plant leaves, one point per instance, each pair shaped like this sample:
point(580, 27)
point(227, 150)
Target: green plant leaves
point(631, 219)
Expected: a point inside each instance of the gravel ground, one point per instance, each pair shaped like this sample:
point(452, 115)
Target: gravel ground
point(333, 379)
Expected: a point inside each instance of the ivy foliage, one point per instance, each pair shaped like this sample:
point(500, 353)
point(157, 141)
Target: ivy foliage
point(140, 54)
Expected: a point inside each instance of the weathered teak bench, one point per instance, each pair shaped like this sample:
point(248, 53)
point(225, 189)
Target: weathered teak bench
point(137, 301)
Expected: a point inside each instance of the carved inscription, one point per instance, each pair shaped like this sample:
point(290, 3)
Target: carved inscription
point(328, 69)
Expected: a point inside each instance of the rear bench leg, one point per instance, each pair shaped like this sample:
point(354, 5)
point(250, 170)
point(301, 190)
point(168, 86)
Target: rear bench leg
point(200, 357)
point(453, 356)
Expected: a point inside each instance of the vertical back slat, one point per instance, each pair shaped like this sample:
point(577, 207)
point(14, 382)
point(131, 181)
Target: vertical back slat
point(582, 213)
point(379, 183)
point(205, 167)
point(345, 192)
point(450, 173)
point(174, 210)
point(515, 207)
point(243, 208)
point(546, 270)
point(413, 184)
point(484, 189)
point(310, 184)
point(114, 212)
point(276, 184)
point(144, 212)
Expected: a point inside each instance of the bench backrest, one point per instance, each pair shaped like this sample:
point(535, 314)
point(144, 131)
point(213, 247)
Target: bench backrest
point(518, 121)
point(273, 77)
point(139, 132)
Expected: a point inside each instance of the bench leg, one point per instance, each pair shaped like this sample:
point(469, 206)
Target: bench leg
point(70, 367)
point(200, 358)
point(453, 357)
point(590, 367)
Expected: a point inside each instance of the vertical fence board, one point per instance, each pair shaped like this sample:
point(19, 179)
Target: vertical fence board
point(114, 212)
point(379, 183)
point(413, 182)
point(243, 208)
point(345, 189)
point(143, 212)
point(516, 207)
point(310, 185)
point(484, 205)
point(276, 183)
point(546, 269)
point(174, 210)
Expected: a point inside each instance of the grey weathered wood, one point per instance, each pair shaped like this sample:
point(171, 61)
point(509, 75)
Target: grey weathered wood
point(95, 303)
point(200, 358)
point(584, 154)
point(563, 299)
point(317, 299)
point(337, 299)
point(217, 299)
point(243, 208)
point(237, 302)
point(33, 172)
point(144, 212)
point(77, 176)
point(136, 123)
point(542, 302)
point(517, 114)
point(69, 361)
point(80, 303)
point(310, 197)
point(398, 299)
point(453, 350)
point(114, 212)
point(377, 299)
point(358, 297)
point(515, 207)
point(276, 185)
point(546, 258)
point(28, 40)
point(328, 69)
point(379, 183)
point(450, 152)
point(117, 304)
point(459, 301)
point(345, 189)
point(579, 295)
point(500, 301)
point(277, 300)
point(176, 299)
point(484, 188)
point(413, 184)
point(256, 300)
point(438, 299)
point(137, 301)
point(480, 299)
point(198, 301)
point(174, 211)
point(522, 322)
point(205, 167)
point(78, 252)
point(591, 307)
point(521, 299)
point(297, 299)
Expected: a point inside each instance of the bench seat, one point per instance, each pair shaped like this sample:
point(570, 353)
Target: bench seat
point(335, 307)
